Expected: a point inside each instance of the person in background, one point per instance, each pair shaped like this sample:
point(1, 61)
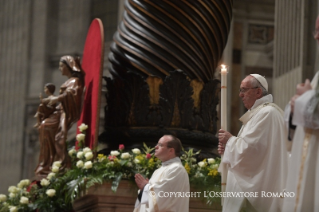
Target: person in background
point(302, 114)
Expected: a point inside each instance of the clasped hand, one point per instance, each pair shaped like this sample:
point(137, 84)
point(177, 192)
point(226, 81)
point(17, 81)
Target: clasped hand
point(140, 181)
point(223, 137)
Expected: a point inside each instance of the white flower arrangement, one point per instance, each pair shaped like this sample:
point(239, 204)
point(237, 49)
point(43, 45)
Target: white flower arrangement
point(50, 175)
point(88, 155)
point(3, 198)
point(79, 164)
point(86, 150)
point(55, 169)
point(86, 170)
point(211, 160)
point(13, 209)
point(79, 155)
point(57, 164)
point(115, 153)
point(44, 182)
point(125, 155)
point(80, 137)
point(136, 151)
point(83, 127)
point(24, 200)
point(88, 164)
point(50, 192)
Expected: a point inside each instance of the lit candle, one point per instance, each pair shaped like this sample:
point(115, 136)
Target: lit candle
point(223, 98)
point(223, 122)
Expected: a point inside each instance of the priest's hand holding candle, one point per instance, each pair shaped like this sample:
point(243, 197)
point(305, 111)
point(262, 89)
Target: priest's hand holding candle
point(223, 135)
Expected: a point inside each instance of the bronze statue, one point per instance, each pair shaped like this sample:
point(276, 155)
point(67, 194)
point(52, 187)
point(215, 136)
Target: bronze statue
point(53, 129)
point(44, 109)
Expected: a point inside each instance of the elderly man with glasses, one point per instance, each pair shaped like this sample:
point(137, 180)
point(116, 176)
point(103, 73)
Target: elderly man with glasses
point(168, 188)
point(257, 158)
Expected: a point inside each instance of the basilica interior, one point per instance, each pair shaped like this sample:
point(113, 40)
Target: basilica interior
point(272, 38)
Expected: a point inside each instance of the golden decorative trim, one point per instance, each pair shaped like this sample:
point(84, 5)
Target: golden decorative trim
point(308, 133)
point(154, 199)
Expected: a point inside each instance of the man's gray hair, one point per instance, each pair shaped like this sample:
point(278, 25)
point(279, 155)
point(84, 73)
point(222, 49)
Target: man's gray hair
point(256, 84)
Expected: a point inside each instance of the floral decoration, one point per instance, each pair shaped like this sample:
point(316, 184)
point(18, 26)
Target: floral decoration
point(59, 189)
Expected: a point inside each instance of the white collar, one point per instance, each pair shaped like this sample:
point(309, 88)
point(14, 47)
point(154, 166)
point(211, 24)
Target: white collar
point(173, 160)
point(264, 99)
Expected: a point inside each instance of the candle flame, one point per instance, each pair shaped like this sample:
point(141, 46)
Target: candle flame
point(223, 66)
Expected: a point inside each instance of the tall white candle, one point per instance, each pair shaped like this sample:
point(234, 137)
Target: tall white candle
point(223, 122)
point(223, 98)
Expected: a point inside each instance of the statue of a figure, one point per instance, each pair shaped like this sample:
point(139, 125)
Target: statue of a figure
point(45, 110)
point(53, 129)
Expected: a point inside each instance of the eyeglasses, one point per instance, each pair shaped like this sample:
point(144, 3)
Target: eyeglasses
point(315, 32)
point(244, 90)
point(161, 145)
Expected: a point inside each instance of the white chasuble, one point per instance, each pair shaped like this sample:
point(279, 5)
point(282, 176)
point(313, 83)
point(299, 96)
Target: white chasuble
point(257, 159)
point(167, 190)
point(303, 173)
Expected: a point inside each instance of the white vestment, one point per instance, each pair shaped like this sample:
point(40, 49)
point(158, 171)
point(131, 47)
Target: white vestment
point(257, 159)
point(167, 190)
point(303, 172)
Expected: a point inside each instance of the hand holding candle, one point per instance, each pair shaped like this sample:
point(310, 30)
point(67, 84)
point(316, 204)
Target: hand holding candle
point(223, 121)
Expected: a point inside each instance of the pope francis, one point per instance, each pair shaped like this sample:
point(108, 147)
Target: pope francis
point(167, 189)
point(257, 157)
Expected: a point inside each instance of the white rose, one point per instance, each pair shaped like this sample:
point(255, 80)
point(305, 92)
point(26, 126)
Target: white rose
point(79, 155)
point(136, 151)
point(24, 200)
point(79, 164)
point(86, 149)
point(136, 160)
point(3, 198)
point(125, 155)
point(72, 151)
point(202, 164)
point(13, 189)
point(57, 163)
point(45, 182)
point(215, 166)
point(129, 164)
point(83, 127)
point(23, 183)
point(88, 155)
point(55, 169)
point(211, 160)
point(13, 209)
point(51, 175)
point(115, 153)
point(88, 165)
point(12, 195)
point(50, 192)
point(80, 137)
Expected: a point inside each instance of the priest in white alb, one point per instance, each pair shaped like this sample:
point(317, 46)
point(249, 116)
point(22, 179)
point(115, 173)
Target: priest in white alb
point(303, 174)
point(168, 188)
point(257, 157)
point(302, 114)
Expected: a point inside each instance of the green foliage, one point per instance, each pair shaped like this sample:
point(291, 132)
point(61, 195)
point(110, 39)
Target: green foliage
point(62, 187)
